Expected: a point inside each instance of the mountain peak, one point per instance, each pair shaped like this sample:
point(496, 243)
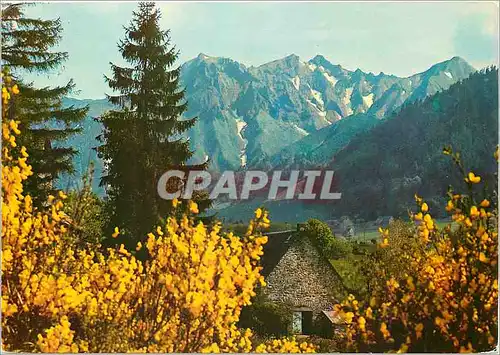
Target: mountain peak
point(290, 61)
point(200, 58)
point(457, 59)
point(453, 67)
point(292, 58)
point(320, 60)
point(203, 56)
point(455, 62)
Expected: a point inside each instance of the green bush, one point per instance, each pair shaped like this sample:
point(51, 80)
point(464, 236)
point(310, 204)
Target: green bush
point(267, 318)
point(321, 234)
point(86, 213)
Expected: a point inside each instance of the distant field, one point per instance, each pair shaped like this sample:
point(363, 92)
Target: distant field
point(367, 235)
point(373, 233)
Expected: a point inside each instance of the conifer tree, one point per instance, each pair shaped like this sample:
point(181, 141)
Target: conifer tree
point(143, 138)
point(27, 47)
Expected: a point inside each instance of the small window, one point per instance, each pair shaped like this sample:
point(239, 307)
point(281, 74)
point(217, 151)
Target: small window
point(297, 323)
point(302, 322)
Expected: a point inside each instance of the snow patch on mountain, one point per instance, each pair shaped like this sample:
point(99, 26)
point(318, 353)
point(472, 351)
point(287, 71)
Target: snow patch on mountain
point(313, 104)
point(324, 119)
point(336, 115)
point(448, 74)
point(317, 97)
point(312, 66)
point(319, 110)
point(301, 130)
point(296, 82)
point(240, 125)
point(330, 78)
point(368, 100)
point(346, 100)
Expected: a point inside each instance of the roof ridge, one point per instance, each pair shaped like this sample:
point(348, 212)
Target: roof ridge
point(279, 232)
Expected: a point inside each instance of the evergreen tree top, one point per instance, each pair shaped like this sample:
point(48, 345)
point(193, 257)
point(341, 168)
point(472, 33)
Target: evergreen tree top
point(149, 86)
point(27, 41)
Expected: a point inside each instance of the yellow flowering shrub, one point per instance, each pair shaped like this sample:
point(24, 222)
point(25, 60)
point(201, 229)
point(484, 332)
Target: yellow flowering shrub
point(61, 297)
point(287, 345)
point(443, 294)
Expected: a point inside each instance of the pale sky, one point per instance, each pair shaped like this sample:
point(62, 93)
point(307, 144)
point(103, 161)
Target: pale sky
point(400, 38)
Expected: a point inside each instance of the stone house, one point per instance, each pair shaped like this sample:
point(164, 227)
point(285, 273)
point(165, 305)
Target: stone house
point(299, 276)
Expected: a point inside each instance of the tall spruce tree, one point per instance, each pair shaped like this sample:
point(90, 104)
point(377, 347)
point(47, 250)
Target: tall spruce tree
point(27, 47)
point(143, 138)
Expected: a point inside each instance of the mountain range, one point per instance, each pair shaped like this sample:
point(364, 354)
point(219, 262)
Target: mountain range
point(250, 116)
point(283, 114)
point(379, 169)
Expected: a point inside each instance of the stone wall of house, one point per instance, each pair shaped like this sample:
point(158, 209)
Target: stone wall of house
point(303, 278)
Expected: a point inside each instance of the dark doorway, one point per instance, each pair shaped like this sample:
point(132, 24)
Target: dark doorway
point(307, 322)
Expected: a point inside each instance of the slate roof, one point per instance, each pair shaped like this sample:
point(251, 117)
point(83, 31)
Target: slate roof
point(334, 317)
point(276, 246)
